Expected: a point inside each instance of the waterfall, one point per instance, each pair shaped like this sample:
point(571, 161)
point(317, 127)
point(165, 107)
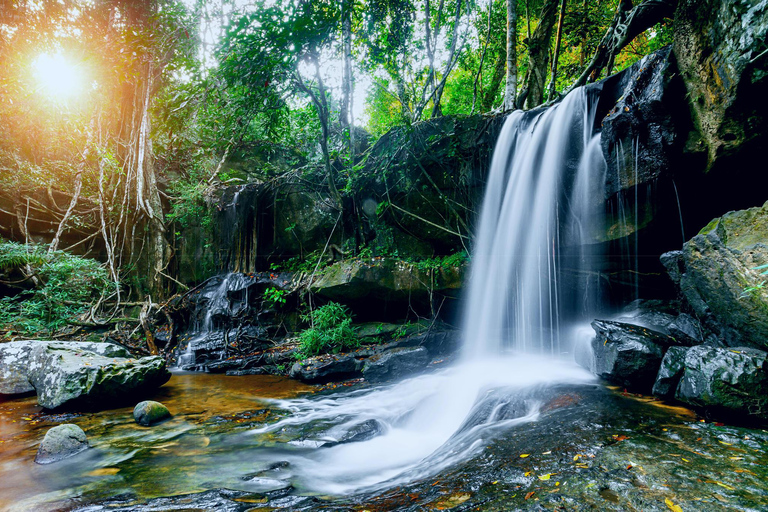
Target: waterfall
point(532, 280)
point(532, 263)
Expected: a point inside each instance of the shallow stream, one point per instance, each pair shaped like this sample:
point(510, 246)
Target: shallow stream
point(561, 443)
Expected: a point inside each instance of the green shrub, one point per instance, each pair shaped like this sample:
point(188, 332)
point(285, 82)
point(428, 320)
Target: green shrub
point(66, 286)
point(330, 331)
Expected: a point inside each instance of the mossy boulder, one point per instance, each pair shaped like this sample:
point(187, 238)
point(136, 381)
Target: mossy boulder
point(149, 412)
point(63, 376)
point(719, 271)
point(15, 361)
point(61, 442)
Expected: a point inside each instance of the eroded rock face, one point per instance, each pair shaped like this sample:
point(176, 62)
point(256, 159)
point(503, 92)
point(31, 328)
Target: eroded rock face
point(63, 376)
point(61, 442)
point(719, 265)
point(670, 372)
point(720, 48)
point(725, 380)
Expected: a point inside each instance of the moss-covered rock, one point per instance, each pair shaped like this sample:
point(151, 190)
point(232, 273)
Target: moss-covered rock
point(149, 412)
point(720, 279)
point(61, 442)
point(65, 376)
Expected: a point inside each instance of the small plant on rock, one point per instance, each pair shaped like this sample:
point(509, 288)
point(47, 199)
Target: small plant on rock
point(330, 331)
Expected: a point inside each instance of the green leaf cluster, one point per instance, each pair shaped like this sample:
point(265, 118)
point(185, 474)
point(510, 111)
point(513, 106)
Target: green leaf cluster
point(66, 285)
point(330, 331)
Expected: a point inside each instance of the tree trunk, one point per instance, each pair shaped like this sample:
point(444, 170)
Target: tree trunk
point(627, 24)
point(347, 114)
point(510, 91)
point(482, 58)
point(558, 39)
point(493, 88)
point(538, 56)
point(452, 58)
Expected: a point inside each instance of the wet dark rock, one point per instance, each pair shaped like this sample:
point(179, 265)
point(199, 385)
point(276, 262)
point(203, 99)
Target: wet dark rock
point(673, 263)
point(326, 368)
point(149, 412)
point(670, 372)
point(221, 500)
point(359, 432)
point(62, 376)
point(395, 363)
point(438, 341)
point(61, 442)
point(725, 381)
point(628, 355)
point(641, 123)
point(687, 326)
point(719, 265)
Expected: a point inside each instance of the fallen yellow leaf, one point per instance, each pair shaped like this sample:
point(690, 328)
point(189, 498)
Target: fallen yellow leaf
point(672, 506)
point(545, 477)
point(524, 455)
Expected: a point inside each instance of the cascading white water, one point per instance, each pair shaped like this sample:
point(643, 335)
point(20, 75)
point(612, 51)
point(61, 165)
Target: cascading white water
point(527, 277)
point(546, 172)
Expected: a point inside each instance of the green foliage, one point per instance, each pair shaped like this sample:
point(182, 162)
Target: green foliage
point(757, 288)
point(67, 283)
point(443, 262)
point(330, 331)
point(274, 297)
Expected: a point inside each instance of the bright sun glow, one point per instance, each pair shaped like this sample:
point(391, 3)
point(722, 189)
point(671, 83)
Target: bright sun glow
point(57, 76)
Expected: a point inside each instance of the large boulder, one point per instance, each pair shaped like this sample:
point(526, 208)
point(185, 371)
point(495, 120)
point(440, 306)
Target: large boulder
point(719, 266)
point(15, 360)
point(395, 364)
point(628, 355)
point(63, 375)
point(61, 442)
point(725, 381)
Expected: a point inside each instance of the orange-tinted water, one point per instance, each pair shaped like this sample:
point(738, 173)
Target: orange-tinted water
point(174, 457)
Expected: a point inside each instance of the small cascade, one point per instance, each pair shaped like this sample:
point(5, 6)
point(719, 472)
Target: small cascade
point(532, 264)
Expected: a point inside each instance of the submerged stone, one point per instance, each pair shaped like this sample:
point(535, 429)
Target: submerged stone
point(149, 412)
point(61, 442)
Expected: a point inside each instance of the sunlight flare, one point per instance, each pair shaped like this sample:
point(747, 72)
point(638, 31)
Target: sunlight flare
point(57, 76)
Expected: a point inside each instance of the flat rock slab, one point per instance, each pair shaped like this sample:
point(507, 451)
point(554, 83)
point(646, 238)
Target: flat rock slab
point(63, 375)
point(395, 363)
point(326, 368)
point(15, 360)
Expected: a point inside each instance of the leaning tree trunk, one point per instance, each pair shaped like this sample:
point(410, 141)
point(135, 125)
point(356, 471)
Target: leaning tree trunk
point(538, 56)
point(556, 55)
point(510, 91)
point(627, 24)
